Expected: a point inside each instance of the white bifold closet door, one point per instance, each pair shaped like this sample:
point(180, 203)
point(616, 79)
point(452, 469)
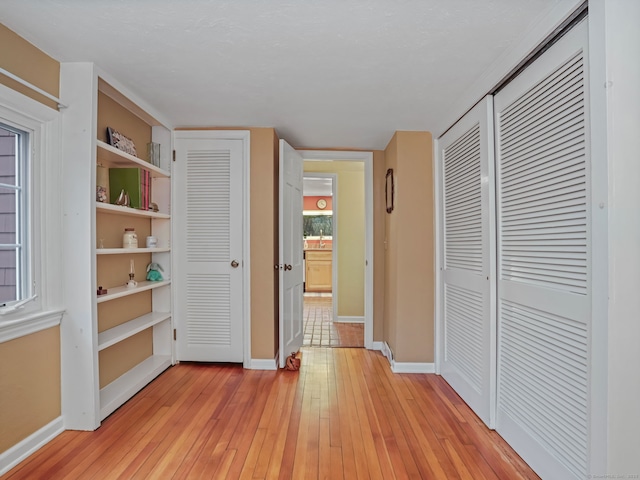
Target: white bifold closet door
point(467, 215)
point(207, 243)
point(544, 292)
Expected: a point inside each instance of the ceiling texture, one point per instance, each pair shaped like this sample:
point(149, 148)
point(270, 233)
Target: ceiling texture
point(323, 73)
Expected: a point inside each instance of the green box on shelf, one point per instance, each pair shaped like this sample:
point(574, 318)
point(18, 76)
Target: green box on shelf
point(128, 179)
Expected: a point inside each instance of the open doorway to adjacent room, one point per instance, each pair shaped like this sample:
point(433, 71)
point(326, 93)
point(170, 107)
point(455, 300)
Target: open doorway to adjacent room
point(323, 324)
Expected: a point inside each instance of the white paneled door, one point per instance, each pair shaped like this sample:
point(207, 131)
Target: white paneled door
point(468, 340)
point(544, 258)
point(291, 265)
point(208, 220)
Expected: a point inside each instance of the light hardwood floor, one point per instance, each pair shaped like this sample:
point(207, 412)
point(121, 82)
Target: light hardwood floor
point(343, 415)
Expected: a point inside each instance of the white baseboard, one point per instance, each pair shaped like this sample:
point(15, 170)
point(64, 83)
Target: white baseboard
point(264, 364)
point(345, 319)
point(10, 458)
point(377, 346)
point(405, 367)
point(413, 367)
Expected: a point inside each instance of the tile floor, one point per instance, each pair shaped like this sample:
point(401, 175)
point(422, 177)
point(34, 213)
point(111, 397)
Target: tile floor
point(321, 331)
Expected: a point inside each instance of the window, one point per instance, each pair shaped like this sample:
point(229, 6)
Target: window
point(317, 225)
point(31, 216)
point(14, 192)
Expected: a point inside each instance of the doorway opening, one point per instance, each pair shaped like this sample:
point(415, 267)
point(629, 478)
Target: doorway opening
point(322, 327)
point(345, 317)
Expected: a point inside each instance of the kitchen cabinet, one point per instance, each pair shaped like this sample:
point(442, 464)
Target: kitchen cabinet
point(318, 270)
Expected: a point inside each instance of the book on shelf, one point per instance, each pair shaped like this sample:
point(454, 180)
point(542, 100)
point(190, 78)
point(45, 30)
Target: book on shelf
point(136, 182)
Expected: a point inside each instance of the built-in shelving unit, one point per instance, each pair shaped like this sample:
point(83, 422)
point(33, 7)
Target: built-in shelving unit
point(131, 212)
point(121, 251)
point(124, 291)
point(158, 320)
point(127, 329)
point(115, 343)
point(131, 382)
point(111, 157)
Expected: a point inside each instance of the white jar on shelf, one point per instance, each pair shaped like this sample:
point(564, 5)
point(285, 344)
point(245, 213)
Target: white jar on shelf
point(129, 238)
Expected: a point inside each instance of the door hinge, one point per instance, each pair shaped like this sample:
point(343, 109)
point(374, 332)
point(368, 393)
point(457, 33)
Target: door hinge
point(174, 155)
point(175, 335)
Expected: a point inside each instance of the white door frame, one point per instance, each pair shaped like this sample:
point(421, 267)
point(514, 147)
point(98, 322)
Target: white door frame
point(245, 136)
point(367, 159)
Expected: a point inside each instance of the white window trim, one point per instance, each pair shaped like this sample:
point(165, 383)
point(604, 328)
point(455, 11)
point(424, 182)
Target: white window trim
point(44, 126)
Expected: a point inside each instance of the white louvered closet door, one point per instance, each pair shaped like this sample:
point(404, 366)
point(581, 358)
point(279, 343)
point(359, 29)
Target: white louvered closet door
point(544, 293)
point(208, 238)
point(468, 259)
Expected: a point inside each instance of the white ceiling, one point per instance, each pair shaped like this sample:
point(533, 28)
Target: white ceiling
point(324, 73)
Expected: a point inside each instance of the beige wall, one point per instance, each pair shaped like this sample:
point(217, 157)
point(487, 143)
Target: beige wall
point(30, 373)
point(27, 62)
point(409, 258)
point(390, 254)
point(29, 385)
point(351, 232)
point(264, 246)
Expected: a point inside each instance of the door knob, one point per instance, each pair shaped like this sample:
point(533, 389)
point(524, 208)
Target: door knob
point(287, 267)
point(234, 264)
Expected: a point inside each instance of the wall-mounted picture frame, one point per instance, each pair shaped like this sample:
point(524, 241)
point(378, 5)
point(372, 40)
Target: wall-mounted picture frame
point(389, 190)
point(121, 142)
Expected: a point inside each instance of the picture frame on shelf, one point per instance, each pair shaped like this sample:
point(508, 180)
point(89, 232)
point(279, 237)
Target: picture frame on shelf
point(121, 142)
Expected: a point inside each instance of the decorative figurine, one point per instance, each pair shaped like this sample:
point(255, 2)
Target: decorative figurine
point(153, 274)
point(132, 273)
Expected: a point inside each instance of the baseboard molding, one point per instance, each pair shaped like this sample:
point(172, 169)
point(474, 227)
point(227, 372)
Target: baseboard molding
point(405, 367)
point(377, 346)
point(264, 364)
point(10, 458)
point(413, 367)
point(345, 319)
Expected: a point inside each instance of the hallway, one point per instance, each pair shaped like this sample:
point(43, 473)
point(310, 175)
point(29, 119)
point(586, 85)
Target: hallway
point(321, 331)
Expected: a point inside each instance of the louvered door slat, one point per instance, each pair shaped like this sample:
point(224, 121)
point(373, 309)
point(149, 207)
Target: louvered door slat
point(544, 260)
point(208, 183)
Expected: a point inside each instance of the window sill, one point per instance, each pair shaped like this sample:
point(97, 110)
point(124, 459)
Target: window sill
point(29, 323)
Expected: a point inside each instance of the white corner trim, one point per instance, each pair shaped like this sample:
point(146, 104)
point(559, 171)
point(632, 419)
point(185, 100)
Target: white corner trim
point(377, 346)
point(413, 367)
point(12, 457)
point(264, 364)
point(347, 319)
point(35, 322)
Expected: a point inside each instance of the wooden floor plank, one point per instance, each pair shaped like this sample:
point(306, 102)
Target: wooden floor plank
point(343, 415)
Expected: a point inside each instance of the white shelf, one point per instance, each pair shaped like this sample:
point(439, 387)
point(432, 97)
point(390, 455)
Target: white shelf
point(128, 384)
point(121, 251)
point(118, 292)
point(128, 211)
point(111, 157)
point(121, 332)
